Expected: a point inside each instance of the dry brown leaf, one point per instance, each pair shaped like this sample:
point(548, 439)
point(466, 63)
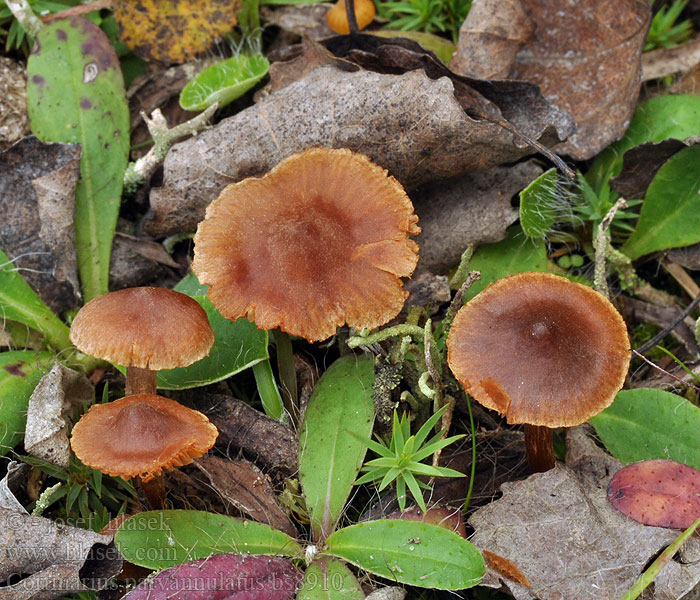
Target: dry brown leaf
point(272, 444)
point(565, 537)
point(52, 560)
point(172, 31)
point(37, 203)
point(490, 37)
point(472, 209)
point(409, 124)
point(245, 486)
point(46, 432)
point(306, 20)
point(14, 120)
point(585, 56)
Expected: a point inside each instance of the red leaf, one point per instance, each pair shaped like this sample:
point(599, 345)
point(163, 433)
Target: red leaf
point(660, 492)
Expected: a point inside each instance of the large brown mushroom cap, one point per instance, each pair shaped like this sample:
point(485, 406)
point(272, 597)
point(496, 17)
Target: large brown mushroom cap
point(540, 349)
point(143, 327)
point(141, 435)
point(320, 241)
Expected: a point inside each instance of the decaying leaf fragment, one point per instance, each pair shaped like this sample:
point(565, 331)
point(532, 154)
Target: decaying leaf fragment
point(585, 56)
point(14, 121)
point(45, 436)
point(176, 30)
point(37, 204)
point(52, 560)
point(409, 124)
point(567, 540)
point(245, 486)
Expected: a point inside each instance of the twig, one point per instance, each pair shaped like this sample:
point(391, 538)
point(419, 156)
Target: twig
point(139, 172)
point(80, 9)
point(601, 243)
point(25, 16)
point(664, 332)
point(667, 61)
point(667, 373)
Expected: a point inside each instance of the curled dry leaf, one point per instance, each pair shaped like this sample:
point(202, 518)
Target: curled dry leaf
point(409, 124)
point(567, 540)
point(53, 559)
point(658, 492)
point(173, 31)
point(585, 56)
point(37, 204)
point(57, 391)
point(229, 576)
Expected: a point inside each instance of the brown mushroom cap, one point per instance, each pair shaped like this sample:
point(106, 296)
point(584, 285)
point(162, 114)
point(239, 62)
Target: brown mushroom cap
point(141, 435)
point(540, 349)
point(320, 241)
point(145, 327)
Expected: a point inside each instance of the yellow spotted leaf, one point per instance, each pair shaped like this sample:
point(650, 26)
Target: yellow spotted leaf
point(172, 31)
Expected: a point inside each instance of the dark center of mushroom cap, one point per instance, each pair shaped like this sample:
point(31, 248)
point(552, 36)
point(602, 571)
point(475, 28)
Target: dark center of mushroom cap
point(142, 430)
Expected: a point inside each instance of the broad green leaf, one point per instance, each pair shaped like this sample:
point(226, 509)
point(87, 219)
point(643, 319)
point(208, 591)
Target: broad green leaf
point(224, 81)
point(670, 116)
point(515, 254)
point(329, 456)
point(19, 302)
point(670, 215)
point(410, 552)
point(162, 538)
point(20, 371)
point(238, 345)
point(645, 423)
point(75, 93)
point(537, 205)
point(329, 579)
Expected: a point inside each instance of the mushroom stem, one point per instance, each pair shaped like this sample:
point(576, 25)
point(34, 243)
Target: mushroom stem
point(140, 381)
point(539, 447)
point(352, 19)
point(154, 490)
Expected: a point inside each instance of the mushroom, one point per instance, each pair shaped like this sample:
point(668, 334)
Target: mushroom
point(338, 19)
point(140, 436)
point(541, 350)
point(144, 329)
point(318, 242)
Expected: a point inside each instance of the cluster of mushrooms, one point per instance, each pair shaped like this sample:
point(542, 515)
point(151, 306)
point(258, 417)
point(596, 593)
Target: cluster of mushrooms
point(331, 250)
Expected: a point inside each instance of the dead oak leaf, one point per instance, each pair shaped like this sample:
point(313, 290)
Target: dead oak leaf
point(585, 57)
point(565, 537)
point(172, 31)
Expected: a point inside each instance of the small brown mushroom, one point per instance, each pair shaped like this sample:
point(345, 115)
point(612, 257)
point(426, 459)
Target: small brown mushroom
point(140, 436)
point(144, 329)
point(318, 242)
point(541, 350)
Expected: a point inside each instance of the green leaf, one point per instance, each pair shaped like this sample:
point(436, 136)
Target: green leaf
point(163, 538)
point(642, 424)
point(670, 215)
point(224, 81)
point(20, 371)
point(538, 205)
point(410, 552)
point(238, 345)
point(515, 254)
point(329, 579)
point(19, 302)
point(75, 93)
point(329, 455)
point(660, 118)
